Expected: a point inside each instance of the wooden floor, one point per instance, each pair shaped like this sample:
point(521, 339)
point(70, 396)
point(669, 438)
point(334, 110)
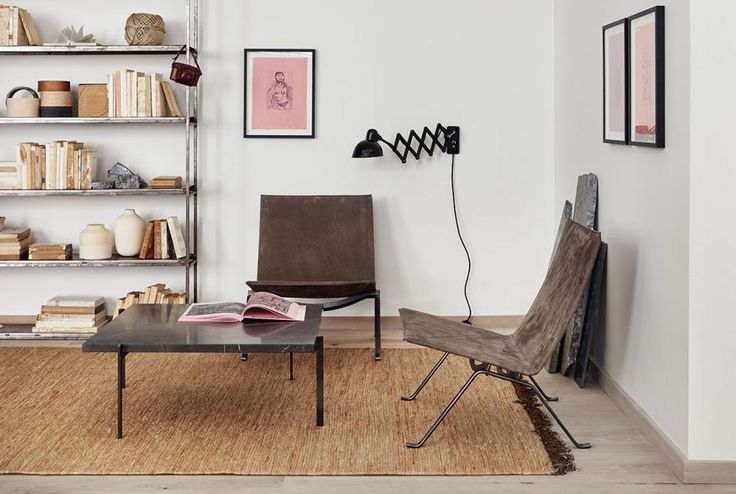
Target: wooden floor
point(621, 460)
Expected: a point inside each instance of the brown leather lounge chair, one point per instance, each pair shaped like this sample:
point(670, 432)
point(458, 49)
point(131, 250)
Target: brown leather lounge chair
point(319, 247)
point(525, 352)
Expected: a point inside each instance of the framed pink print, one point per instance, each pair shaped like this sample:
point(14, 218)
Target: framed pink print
point(646, 75)
point(615, 82)
point(279, 93)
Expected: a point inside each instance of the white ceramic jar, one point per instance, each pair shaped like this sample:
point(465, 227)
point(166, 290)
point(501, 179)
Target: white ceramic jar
point(129, 230)
point(95, 242)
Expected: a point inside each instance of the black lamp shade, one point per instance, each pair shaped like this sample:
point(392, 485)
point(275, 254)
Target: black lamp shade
point(367, 149)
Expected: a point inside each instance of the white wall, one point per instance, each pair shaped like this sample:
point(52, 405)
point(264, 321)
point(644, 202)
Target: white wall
point(486, 66)
point(712, 232)
point(644, 208)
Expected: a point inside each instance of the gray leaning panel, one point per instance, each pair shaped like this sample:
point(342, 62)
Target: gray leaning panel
point(585, 213)
point(593, 317)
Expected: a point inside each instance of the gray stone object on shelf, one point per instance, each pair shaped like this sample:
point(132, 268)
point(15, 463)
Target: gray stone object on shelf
point(593, 317)
point(103, 185)
point(554, 362)
point(586, 214)
point(123, 178)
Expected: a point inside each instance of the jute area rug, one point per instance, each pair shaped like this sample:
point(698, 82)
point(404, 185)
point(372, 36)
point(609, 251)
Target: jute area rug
point(213, 414)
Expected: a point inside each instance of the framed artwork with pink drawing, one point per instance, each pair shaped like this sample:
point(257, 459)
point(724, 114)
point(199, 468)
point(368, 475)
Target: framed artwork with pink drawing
point(616, 82)
point(646, 75)
point(279, 93)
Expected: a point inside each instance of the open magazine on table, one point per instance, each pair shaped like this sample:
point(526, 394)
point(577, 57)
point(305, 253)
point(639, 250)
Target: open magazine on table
point(260, 305)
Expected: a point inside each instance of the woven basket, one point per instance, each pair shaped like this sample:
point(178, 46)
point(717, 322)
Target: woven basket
point(144, 29)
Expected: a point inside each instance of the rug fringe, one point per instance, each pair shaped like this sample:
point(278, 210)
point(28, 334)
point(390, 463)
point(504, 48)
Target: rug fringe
point(559, 453)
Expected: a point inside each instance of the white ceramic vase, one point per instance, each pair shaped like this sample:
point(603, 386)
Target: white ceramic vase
point(129, 230)
point(95, 242)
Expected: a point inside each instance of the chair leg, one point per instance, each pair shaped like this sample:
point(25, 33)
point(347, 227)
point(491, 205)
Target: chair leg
point(412, 396)
point(377, 324)
point(444, 413)
point(546, 397)
point(544, 402)
point(557, 419)
point(244, 357)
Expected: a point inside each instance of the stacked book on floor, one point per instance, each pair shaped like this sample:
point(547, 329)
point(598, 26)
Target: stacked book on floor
point(166, 183)
point(71, 315)
point(14, 243)
point(164, 239)
point(50, 252)
point(135, 94)
point(58, 165)
point(16, 27)
point(154, 294)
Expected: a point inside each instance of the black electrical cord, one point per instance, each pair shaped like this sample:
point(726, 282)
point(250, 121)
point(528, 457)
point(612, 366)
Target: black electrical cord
point(462, 241)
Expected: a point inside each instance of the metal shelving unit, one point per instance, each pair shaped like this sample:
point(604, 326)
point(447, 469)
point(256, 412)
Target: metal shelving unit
point(188, 190)
point(100, 120)
point(90, 50)
point(102, 192)
point(25, 332)
point(115, 262)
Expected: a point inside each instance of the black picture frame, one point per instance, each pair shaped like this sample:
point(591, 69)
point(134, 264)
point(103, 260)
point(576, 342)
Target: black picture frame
point(654, 136)
point(608, 135)
point(248, 131)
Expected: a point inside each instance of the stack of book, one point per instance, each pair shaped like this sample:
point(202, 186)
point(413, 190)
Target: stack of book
point(16, 27)
point(58, 165)
point(166, 183)
point(154, 294)
point(136, 94)
point(164, 239)
point(50, 252)
point(69, 314)
point(14, 244)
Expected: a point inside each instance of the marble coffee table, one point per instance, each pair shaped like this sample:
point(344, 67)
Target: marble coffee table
point(148, 328)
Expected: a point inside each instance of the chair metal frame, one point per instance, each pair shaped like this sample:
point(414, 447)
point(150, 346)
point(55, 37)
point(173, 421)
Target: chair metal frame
point(485, 369)
point(354, 299)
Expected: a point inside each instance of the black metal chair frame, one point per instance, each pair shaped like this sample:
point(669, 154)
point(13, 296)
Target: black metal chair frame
point(485, 369)
point(340, 304)
point(348, 301)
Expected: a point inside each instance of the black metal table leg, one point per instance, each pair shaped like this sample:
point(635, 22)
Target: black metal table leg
point(291, 366)
point(377, 325)
point(121, 385)
point(320, 381)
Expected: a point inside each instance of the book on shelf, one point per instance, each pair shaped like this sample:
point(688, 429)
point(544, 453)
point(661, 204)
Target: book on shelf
point(260, 305)
point(71, 314)
point(165, 182)
point(17, 27)
point(163, 239)
point(14, 243)
point(71, 320)
point(76, 301)
point(58, 165)
point(10, 175)
point(133, 94)
point(157, 293)
point(50, 252)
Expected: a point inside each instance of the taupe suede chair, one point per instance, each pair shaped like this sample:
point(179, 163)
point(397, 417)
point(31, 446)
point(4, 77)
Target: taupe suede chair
point(527, 350)
point(319, 247)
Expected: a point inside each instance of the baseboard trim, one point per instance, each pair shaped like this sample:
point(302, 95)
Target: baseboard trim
point(687, 471)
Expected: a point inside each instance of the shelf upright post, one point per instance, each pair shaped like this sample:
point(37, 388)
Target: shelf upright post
point(187, 179)
point(195, 158)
